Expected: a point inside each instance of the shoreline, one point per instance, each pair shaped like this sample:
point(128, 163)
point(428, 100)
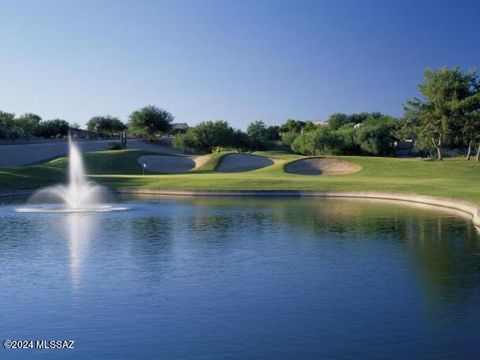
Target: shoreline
point(467, 207)
point(463, 206)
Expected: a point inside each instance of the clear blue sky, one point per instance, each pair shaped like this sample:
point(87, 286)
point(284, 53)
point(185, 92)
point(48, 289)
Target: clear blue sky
point(234, 60)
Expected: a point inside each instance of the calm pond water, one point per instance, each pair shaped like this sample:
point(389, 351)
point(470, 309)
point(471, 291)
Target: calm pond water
point(242, 279)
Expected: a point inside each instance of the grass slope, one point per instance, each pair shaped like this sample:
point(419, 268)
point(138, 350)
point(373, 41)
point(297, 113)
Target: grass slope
point(119, 169)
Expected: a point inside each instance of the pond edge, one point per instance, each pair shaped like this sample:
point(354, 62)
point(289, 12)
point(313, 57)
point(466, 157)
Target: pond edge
point(470, 208)
point(467, 207)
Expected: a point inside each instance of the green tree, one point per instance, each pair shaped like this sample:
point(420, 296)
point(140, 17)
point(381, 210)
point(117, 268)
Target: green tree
point(337, 120)
point(292, 125)
point(105, 125)
point(28, 123)
point(347, 134)
point(261, 136)
point(240, 141)
point(207, 136)
point(52, 128)
point(375, 136)
point(7, 124)
point(323, 140)
point(447, 94)
point(471, 131)
point(289, 137)
point(310, 126)
point(150, 121)
point(272, 133)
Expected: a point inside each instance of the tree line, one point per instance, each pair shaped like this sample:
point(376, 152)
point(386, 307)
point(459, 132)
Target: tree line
point(148, 121)
point(447, 115)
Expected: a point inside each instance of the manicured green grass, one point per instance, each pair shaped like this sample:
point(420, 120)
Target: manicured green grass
point(453, 178)
point(109, 162)
point(211, 163)
point(31, 177)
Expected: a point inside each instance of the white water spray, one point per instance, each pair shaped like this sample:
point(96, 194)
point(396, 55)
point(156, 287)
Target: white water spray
point(79, 195)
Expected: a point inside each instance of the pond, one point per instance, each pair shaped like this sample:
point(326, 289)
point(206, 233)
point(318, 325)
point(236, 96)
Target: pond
point(211, 278)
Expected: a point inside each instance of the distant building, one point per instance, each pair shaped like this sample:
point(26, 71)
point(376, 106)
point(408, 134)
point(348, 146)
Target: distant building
point(180, 126)
point(320, 122)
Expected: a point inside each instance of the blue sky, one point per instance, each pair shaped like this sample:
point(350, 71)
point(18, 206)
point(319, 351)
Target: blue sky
point(233, 60)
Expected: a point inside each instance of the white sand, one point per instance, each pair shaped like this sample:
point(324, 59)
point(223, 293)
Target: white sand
point(322, 166)
point(243, 162)
point(167, 164)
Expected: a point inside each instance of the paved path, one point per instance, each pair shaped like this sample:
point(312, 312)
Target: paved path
point(27, 154)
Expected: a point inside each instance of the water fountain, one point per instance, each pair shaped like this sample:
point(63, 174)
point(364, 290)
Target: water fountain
point(79, 195)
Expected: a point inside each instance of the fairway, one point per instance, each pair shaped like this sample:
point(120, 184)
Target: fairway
point(454, 178)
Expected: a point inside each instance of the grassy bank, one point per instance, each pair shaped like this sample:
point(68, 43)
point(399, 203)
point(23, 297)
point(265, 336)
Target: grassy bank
point(119, 169)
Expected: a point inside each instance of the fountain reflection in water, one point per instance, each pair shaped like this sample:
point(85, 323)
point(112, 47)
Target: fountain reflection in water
point(79, 195)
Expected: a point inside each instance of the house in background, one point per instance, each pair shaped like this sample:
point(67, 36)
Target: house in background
point(180, 127)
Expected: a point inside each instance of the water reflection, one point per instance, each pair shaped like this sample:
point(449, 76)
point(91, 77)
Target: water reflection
point(80, 227)
point(259, 278)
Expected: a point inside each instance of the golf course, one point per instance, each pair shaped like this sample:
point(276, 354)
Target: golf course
point(452, 178)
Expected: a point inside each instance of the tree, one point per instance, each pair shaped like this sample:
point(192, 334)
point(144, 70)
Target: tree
point(52, 128)
point(349, 139)
point(240, 141)
point(105, 125)
point(337, 120)
point(262, 136)
point(310, 126)
point(376, 135)
point(323, 140)
point(272, 133)
point(292, 126)
point(447, 95)
point(150, 121)
point(289, 137)
point(7, 124)
point(257, 133)
point(75, 126)
point(471, 131)
point(207, 136)
point(28, 123)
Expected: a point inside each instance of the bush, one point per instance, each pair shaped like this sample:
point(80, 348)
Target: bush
point(207, 136)
point(375, 136)
point(320, 141)
point(114, 146)
point(289, 137)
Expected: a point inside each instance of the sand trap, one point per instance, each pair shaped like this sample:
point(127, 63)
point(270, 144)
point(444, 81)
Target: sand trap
point(322, 166)
point(172, 164)
point(200, 160)
point(243, 162)
point(167, 164)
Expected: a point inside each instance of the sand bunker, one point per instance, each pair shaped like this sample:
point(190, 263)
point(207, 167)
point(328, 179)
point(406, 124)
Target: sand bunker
point(172, 164)
point(167, 164)
point(243, 162)
point(321, 166)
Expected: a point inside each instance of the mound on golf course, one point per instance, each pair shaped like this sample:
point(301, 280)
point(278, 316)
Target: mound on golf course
point(242, 162)
point(171, 164)
point(322, 166)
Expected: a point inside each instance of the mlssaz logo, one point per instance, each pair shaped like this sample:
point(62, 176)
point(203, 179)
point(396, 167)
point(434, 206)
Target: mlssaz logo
point(55, 344)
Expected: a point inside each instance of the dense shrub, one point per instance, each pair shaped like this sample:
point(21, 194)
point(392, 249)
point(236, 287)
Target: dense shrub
point(114, 146)
point(52, 128)
point(375, 135)
point(207, 136)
